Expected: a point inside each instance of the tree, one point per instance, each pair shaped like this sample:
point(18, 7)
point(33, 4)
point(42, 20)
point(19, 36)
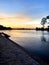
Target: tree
point(47, 17)
point(43, 21)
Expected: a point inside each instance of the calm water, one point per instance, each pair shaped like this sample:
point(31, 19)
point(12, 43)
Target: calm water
point(36, 42)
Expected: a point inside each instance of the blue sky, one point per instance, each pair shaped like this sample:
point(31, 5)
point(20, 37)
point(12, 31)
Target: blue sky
point(35, 9)
point(24, 6)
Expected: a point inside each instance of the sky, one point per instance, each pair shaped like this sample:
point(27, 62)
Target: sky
point(23, 13)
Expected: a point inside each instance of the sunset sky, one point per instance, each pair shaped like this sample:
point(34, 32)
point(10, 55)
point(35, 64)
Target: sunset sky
point(23, 13)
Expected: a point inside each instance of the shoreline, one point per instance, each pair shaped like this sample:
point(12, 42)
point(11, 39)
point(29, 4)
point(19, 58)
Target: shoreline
point(13, 54)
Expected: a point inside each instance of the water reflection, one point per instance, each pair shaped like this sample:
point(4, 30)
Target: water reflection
point(44, 39)
point(36, 42)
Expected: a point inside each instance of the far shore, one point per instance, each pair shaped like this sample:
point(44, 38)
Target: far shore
point(37, 29)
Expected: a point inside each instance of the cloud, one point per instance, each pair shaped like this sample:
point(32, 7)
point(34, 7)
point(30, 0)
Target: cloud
point(17, 17)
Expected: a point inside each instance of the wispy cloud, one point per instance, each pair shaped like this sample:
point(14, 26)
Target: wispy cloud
point(17, 20)
point(19, 17)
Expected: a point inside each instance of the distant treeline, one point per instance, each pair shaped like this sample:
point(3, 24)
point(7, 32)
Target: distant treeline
point(42, 29)
point(9, 28)
point(37, 28)
point(5, 28)
point(22, 28)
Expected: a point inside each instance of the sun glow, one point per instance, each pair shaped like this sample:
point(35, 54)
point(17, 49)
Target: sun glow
point(18, 21)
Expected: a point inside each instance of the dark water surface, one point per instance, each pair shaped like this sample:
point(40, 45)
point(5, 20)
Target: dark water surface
point(36, 42)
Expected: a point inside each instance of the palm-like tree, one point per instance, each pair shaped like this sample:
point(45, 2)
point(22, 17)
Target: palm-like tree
point(43, 21)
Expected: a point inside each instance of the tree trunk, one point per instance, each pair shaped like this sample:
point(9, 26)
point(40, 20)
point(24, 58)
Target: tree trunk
point(43, 26)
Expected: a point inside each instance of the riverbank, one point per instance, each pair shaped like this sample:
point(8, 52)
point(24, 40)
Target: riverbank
point(13, 54)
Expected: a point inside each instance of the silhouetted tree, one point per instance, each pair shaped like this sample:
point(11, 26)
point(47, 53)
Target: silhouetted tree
point(43, 21)
point(4, 28)
point(47, 17)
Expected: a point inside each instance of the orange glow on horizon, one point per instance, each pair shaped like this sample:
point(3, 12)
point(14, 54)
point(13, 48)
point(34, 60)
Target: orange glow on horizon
point(18, 21)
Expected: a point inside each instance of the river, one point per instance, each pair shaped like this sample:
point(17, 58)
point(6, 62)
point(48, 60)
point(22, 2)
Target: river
point(36, 42)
